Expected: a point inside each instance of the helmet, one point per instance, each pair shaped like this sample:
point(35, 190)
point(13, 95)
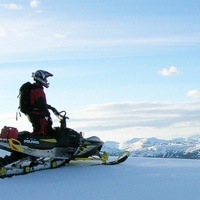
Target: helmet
point(41, 77)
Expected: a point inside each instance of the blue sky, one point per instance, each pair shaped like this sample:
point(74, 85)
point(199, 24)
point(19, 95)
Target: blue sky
point(122, 69)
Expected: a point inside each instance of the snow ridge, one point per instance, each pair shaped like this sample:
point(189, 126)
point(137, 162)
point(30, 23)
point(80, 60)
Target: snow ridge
point(158, 148)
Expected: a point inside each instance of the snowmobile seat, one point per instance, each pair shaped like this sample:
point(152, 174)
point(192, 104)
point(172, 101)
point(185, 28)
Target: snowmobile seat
point(23, 133)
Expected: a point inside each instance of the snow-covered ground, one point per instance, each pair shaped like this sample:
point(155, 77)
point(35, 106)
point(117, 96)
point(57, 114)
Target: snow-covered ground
point(137, 179)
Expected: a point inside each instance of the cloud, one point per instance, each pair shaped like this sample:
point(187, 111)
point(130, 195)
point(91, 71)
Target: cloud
point(115, 116)
point(11, 6)
point(194, 93)
point(169, 72)
point(2, 32)
point(34, 3)
point(59, 36)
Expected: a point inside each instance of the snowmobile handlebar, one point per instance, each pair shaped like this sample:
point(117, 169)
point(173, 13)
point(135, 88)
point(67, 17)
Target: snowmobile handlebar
point(61, 114)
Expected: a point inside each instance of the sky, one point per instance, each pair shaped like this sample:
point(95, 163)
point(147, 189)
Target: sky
point(122, 68)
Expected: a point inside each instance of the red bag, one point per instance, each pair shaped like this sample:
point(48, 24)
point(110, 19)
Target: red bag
point(9, 132)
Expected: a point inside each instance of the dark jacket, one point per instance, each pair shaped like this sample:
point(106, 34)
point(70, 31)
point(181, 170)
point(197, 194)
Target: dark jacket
point(39, 115)
point(38, 101)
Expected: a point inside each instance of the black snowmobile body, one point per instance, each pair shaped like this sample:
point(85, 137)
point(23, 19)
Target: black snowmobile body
point(31, 153)
point(63, 142)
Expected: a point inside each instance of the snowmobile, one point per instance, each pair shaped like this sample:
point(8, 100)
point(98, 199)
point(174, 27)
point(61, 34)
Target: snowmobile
point(31, 153)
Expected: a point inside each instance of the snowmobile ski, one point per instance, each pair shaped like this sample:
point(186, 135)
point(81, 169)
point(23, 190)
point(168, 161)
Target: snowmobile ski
point(121, 158)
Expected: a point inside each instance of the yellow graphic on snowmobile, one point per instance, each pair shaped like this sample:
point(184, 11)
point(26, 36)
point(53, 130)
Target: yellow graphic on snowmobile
point(104, 157)
point(15, 145)
point(49, 140)
point(3, 171)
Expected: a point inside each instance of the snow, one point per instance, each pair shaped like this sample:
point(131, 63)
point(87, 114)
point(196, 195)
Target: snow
point(137, 178)
point(153, 147)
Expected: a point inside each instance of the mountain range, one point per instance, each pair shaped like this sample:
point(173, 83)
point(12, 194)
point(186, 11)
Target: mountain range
point(160, 148)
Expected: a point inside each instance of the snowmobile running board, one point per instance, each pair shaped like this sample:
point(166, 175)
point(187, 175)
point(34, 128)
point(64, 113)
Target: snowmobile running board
point(26, 165)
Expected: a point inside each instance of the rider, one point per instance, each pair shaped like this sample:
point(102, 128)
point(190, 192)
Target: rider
point(39, 115)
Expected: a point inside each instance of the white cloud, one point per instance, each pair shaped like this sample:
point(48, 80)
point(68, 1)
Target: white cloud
point(11, 6)
point(59, 36)
point(18, 33)
point(194, 93)
point(34, 3)
point(2, 32)
point(39, 11)
point(115, 116)
point(169, 72)
point(120, 121)
point(14, 6)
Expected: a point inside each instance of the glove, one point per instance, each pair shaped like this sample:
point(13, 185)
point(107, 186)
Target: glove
point(49, 106)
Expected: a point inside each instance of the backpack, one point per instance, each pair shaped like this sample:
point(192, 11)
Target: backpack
point(24, 98)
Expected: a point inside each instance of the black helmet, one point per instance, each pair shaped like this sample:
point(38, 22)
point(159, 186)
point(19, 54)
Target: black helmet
point(41, 77)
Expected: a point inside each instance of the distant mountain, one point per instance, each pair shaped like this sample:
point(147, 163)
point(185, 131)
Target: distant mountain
point(153, 147)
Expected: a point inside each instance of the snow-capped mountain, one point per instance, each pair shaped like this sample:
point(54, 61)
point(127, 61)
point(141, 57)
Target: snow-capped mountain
point(153, 147)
